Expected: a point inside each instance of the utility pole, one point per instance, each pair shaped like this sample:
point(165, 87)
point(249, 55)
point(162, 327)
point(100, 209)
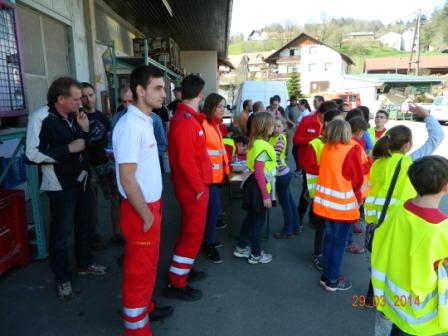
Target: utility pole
point(416, 45)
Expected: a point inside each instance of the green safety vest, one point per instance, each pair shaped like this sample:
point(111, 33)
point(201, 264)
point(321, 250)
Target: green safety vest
point(318, 145)
point(270, 166)
point(230, 142)
point(273, 141)
point(372, 136)
point(381, 174)
point(408, 290)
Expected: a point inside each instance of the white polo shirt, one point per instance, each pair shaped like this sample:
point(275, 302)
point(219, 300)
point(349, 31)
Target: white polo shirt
point(134, 142)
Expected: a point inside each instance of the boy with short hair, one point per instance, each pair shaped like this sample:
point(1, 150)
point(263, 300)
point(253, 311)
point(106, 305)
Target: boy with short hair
point(409, 256)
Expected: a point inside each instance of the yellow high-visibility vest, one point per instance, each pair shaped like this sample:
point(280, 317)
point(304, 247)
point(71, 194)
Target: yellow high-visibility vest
point(408, 290)
point(318, 145)
point(270, 166)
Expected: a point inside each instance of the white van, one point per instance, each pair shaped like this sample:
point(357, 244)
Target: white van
point(260, 91)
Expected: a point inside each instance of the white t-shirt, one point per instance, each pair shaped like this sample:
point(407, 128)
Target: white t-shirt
point(134, 142)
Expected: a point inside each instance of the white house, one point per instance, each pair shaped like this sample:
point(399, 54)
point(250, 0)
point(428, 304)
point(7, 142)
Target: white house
point(258, 35)
point(320, 66)
point(408, 39)
point(392, 40)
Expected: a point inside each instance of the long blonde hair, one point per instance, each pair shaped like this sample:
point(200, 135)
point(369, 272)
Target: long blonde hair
point(262, 126)
point(338, 132)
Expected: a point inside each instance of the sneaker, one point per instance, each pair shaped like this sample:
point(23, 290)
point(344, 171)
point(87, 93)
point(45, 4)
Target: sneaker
point(263, 258)
point(354, 248)
point(342, 285)
point(318, 263)
point(160, 313)
point(64, 290)
point(196, 275)
point(221, 224)
point(184, 294)
point(323, 280)
point(242, 252)
point(298, 231)
point(212, 254)
point(94, 269)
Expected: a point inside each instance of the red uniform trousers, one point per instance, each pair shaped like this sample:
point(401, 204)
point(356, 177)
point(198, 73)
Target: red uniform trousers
point(141, 257)
point(194, 214)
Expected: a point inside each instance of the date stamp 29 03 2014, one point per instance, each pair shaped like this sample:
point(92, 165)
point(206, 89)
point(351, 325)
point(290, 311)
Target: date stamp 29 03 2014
point(360, 301)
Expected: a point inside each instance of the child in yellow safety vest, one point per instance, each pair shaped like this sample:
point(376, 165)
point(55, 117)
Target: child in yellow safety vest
point(410, 256)
point(282, 182)
point(257, 188)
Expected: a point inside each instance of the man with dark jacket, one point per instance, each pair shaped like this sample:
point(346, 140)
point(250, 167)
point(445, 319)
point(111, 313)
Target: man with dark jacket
point(56, 139)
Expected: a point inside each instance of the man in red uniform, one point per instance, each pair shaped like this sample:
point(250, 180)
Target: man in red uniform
point(191, 172)
point(309, 128)
point(140, 183)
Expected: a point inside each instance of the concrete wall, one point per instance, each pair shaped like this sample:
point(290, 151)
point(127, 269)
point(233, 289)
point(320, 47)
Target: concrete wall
point(202, 62)
point(69, 12)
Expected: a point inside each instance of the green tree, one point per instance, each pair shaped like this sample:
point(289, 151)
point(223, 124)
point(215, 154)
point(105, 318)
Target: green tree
point(293, 84)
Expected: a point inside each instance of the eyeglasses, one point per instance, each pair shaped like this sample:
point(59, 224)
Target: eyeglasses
point(380, 117)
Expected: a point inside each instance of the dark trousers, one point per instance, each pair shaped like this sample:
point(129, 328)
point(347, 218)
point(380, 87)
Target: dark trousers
point(252, 229)
point(303, 201)
point(213, 212)
point(290, 217)
point(319, 225)
point(397, 332)
point(70, 208)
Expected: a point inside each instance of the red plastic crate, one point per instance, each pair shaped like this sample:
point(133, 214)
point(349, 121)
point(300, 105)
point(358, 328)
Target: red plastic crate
point(14, 248)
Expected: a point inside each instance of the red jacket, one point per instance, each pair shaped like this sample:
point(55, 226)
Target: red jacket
point(309, 128)
point(189, 161)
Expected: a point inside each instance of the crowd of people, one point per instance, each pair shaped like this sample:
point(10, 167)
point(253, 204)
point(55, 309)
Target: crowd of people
point(351, 174)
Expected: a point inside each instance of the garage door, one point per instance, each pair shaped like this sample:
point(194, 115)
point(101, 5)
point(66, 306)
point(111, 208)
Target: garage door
point(45, 53)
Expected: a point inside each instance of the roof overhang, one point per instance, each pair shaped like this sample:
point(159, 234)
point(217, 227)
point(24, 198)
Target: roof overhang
point(193, 24)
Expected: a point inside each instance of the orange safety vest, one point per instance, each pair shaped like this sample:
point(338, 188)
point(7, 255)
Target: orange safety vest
point(365, 188)
point(334, 197)
point(216, 151)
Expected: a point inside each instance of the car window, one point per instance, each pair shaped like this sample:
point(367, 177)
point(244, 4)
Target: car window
point(441, 101)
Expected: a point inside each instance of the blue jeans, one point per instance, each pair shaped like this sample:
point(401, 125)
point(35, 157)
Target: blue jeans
point(336, 235)
point(213, 212)
point(290, 215)
point(70, 208)
point(252, 228)
point(350, 235)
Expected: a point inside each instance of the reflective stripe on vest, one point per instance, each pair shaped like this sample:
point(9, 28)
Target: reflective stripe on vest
point(413, 296)
point(136, 325)
point(270, 166)
point(381, 174)
point(334, 198)
point(216, 152)
point(311, 181)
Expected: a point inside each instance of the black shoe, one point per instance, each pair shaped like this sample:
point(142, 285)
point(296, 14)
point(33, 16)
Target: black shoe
point(196, 275)
point(184, 294)
point(212, 254)
point(160, 313)
point(215, 245)
point(221, 224)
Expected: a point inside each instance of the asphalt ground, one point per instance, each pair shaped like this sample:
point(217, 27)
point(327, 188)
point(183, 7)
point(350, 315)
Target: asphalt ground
point(278, 299)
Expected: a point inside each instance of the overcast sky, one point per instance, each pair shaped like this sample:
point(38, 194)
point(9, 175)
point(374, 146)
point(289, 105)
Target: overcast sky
point(254, 14)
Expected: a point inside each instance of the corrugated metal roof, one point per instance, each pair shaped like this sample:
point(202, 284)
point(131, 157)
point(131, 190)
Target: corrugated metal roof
point(195, 24)
point(393, 63)
point(394, 78)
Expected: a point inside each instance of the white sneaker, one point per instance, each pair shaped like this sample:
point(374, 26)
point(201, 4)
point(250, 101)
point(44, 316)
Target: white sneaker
point(94, 269)
point(263, 258)
point(242, 252)
point(65, 291)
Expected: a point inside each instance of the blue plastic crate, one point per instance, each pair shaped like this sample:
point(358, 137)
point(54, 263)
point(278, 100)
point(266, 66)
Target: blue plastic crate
point(16, 174)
